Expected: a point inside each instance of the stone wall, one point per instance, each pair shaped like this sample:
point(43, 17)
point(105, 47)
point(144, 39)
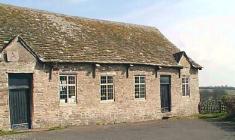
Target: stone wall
point(25, 64)
point(124, 108)
point(48, 112)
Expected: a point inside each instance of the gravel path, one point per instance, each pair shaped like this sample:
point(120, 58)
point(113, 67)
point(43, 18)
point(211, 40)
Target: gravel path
point(152, 130)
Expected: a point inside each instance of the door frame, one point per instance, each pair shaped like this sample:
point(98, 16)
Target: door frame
point(169, 90)
point(30, 108)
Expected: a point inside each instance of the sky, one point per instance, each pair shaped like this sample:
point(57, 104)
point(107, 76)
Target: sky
point(202, 28)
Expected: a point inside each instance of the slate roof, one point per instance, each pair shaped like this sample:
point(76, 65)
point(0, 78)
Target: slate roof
point(179, 55)
point(60, 38)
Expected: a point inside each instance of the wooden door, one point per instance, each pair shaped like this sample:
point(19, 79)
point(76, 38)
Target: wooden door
point(19, 100)
point(165, 85)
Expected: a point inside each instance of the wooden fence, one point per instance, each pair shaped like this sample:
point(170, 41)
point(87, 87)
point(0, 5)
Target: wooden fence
point(211, 106)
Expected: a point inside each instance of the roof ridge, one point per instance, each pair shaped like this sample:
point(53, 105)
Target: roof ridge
point(117, 22)
point(80, 17)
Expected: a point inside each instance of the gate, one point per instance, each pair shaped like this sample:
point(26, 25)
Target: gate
point(211, 106)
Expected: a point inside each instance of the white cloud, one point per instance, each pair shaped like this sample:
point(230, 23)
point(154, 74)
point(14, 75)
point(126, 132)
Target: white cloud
point(210, 41)
point(204, 29)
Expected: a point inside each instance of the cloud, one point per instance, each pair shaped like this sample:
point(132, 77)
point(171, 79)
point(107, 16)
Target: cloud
point(204, 29)
point(210, 41)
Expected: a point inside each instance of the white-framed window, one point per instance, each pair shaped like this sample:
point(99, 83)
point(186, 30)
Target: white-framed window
point(186, 86)
point(106, 88)
point(140, 86)
point(67, 88)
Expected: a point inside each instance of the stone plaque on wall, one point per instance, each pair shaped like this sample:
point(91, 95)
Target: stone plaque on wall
point(12, 56)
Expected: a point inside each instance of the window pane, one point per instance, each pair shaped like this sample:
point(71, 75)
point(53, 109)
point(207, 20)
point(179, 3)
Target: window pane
point(110, 79)
point(137, 91)
point(142, 91)
point(103, 92)
point(188, 90)
point(103, 79)
point(165, 79)
point(136, 79)
point(18, 82)
point(137, 94)
point(186, 80)
point(71, 79)
point(142, 95)
point(142, 86)
point(142, 79)
point(63, 80)
point(110, 95)
point(110, 92)
point(103, 89)
point(103, 96)
point(110, 88)
point(183, 80)
point(63, 93)
point(137, 87)
point(183, 89)
point(71, 91)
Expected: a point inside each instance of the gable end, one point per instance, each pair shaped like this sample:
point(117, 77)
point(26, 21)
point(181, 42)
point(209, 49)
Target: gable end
point(178, 56)
point(23, 43)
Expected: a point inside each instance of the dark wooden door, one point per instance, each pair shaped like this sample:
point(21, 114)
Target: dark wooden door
point(19, 100)
point(165, 93)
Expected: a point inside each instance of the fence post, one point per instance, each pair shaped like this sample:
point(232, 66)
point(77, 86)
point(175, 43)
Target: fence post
point(220, 107)
point(199, 107)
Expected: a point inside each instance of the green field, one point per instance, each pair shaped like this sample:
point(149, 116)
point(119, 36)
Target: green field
point(215, 93)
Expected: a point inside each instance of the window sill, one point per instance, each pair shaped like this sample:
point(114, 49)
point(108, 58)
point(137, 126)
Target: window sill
point(140, 99)
point(106, 101)
point(67, 104)
point(186, 96)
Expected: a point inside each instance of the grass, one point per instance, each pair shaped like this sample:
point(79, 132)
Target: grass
point(184, 117)
point(56, 128)
point(12, 132)
point(3, 133)
point(209, 117)
point(217, 117)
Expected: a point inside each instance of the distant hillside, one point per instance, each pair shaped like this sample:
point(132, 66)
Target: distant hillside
point(219, 87)
point(216, 92)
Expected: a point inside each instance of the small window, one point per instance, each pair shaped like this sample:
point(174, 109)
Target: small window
point(67, 88)
point(165, 80)
point(185, 86)
point(106, 88)
point(140, 90)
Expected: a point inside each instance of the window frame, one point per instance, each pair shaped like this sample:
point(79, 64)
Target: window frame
point(185, 86)
point(106, 84)
point(139, 87)
point(67, 85)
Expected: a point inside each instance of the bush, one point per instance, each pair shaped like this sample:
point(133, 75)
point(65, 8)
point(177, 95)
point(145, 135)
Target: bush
point(229, 102)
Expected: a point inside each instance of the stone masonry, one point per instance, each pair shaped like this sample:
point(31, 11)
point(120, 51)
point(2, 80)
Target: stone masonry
point(47, 111)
